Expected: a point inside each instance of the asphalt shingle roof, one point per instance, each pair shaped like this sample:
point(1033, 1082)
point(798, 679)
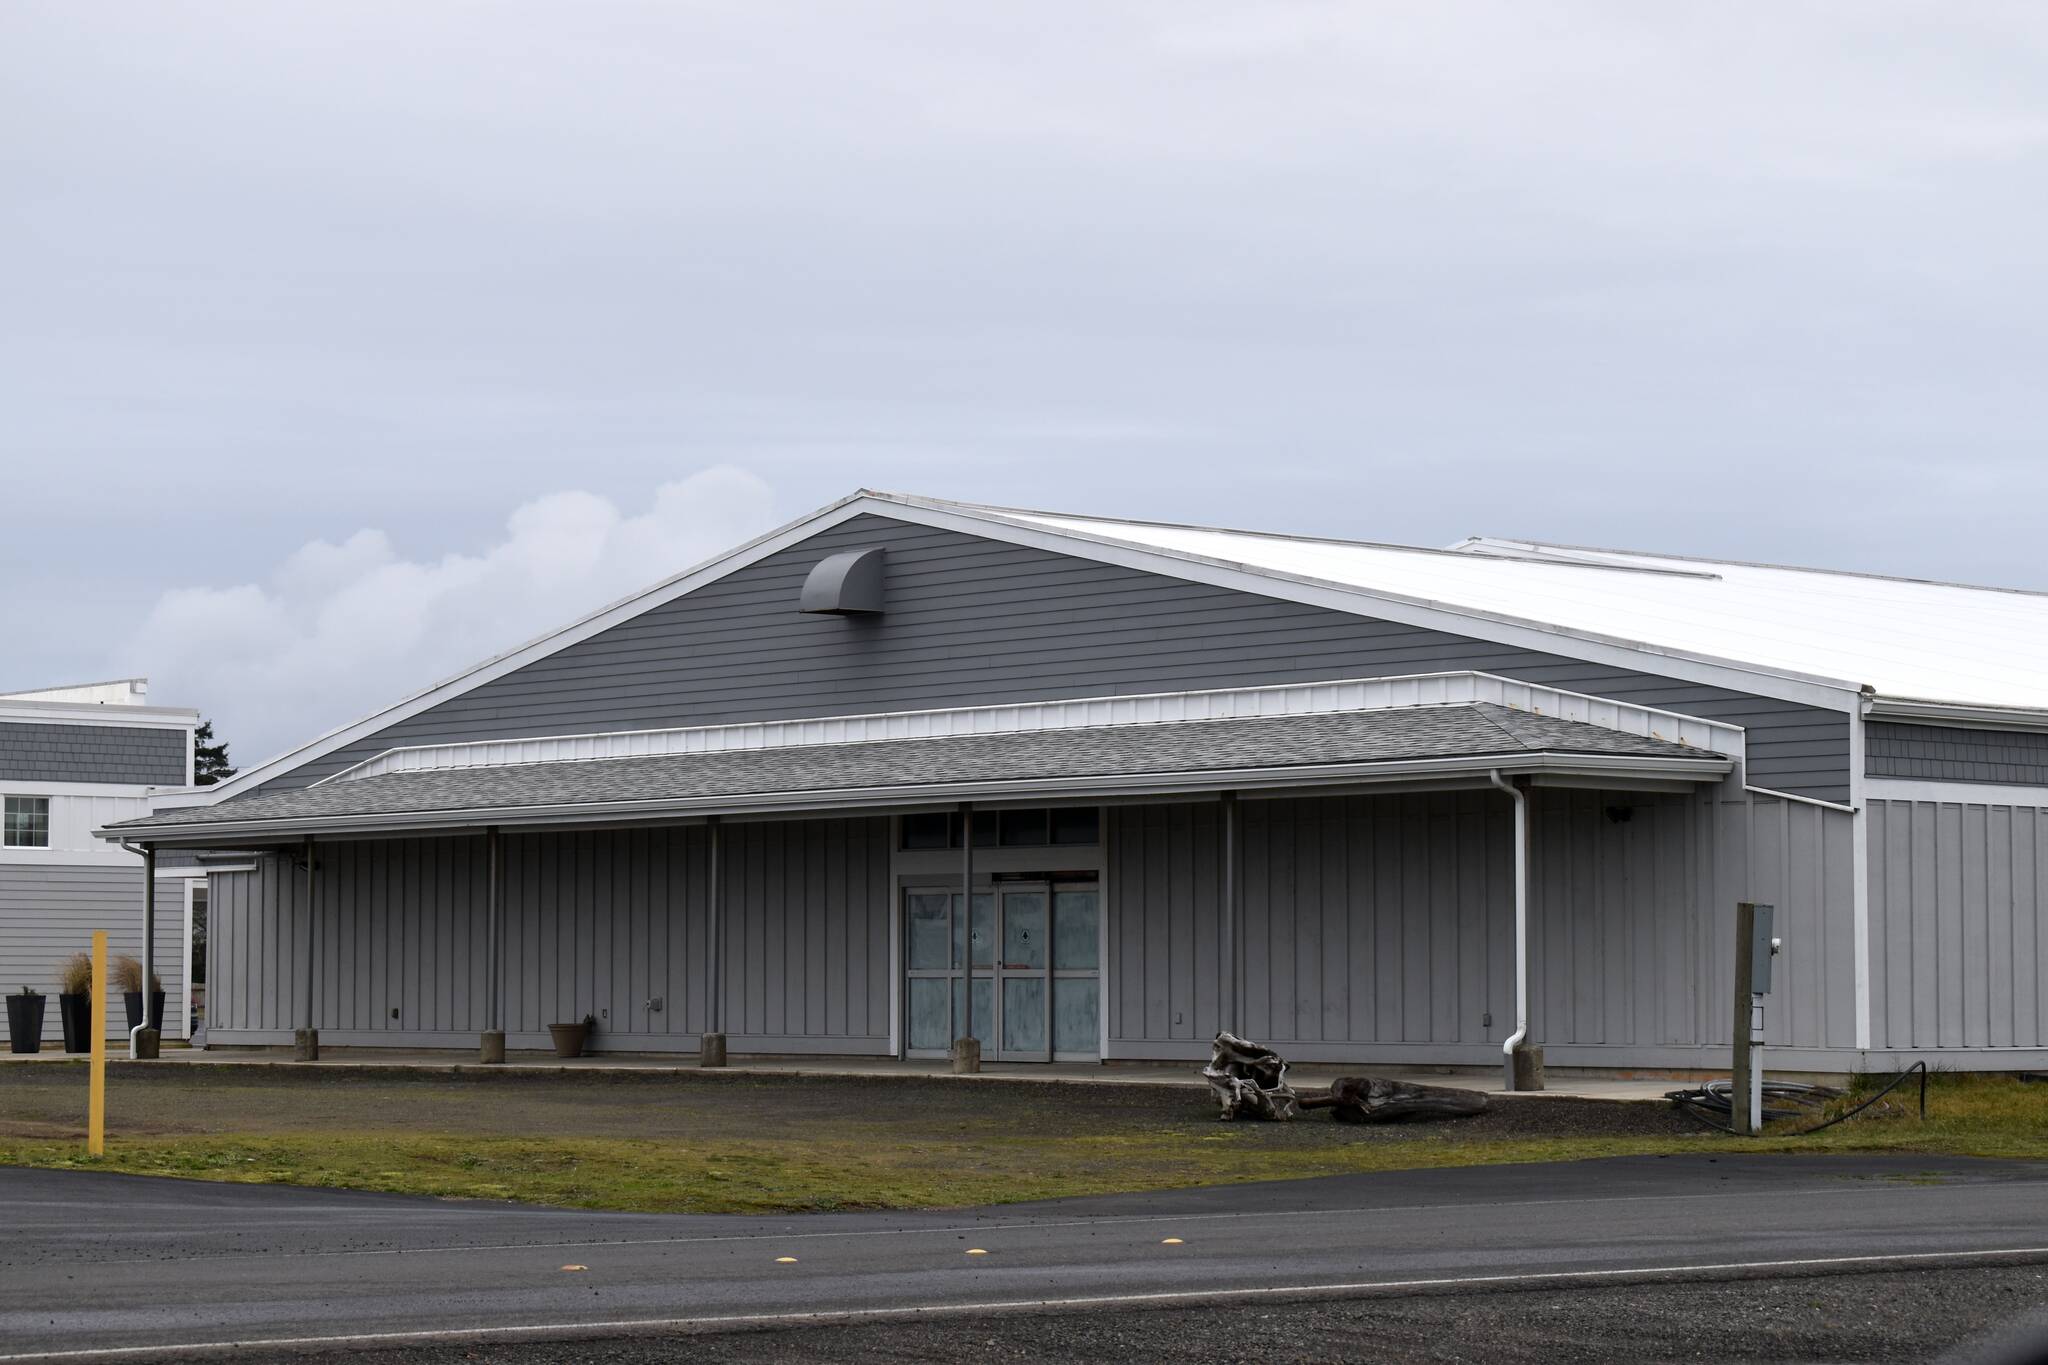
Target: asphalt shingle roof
point(1474, 730)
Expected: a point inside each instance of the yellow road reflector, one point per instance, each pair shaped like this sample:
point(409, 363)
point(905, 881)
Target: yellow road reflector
point(785, 1260)
point(976, 1251)
point(575, 1267)
point(1170, 1242)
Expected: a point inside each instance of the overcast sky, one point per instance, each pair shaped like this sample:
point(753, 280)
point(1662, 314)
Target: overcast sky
point(342, 344)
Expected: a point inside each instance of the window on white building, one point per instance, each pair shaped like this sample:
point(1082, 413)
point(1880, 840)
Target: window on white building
point(25, 822)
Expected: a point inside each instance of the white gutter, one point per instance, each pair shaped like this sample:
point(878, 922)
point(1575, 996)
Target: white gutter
point(1515, 1039)
point(1957, 713)
point(1706, 768)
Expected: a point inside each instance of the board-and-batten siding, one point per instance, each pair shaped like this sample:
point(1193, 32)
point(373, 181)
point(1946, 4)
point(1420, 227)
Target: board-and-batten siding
point(49, 913)
point(973, 621)
point(601, 923)
point(1959, 925)
point(1382, 927)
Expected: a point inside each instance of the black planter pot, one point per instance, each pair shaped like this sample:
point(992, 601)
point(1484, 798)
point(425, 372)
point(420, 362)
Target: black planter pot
point(25, 1023)
point(133, 1001)
point(76, 1013)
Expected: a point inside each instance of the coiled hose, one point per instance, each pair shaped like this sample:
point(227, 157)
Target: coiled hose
point(1792, 1098)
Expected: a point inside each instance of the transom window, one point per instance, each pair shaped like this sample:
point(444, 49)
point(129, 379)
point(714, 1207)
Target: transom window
point(25, 822)
point(1029, 828)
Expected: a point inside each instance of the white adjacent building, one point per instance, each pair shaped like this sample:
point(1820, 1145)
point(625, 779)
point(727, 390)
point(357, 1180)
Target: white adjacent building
point(73, 759)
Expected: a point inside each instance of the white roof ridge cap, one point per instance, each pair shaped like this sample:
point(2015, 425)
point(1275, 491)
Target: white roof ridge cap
point(1757, 564)
point(1296, 537)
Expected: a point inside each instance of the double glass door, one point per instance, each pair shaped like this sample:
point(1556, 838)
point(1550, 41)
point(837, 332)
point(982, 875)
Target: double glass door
point(1026, 961)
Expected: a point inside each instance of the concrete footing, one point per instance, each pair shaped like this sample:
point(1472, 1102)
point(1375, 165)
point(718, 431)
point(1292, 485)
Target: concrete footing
point(1525, 1068)
point(711, 1050)
point(966, 1056)
point(490, 1048)
point(305, 1045)
point(146, 1045)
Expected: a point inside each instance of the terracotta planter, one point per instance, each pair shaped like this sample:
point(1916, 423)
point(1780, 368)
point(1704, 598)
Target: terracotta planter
point(76, 1013)
point(133, 1001)
point(25, 1023)
point(569, 1038)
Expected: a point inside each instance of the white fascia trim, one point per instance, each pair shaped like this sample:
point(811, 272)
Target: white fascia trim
point(1952, 793)
point(1462, 687)
point(85, 713)
point(65, 857)
point(1825, 693)
point(1957, 714)
point(1618, 766)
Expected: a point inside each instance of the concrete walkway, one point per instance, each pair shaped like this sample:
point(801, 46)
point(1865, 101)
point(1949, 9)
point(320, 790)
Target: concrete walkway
point(1305, 1076)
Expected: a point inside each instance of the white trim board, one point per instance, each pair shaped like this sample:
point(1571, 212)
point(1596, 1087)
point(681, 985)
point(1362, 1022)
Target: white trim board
point(84, 713)
point(1953, 793)
point(1824, 693)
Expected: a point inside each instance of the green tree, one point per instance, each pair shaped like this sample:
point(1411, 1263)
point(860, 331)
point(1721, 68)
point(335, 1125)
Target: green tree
point(209, 760)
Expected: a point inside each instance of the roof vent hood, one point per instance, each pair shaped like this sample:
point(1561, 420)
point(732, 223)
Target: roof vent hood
point(848, 584)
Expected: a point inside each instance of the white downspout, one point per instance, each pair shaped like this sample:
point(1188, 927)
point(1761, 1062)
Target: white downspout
point(148, 852)
point(1515, 1039)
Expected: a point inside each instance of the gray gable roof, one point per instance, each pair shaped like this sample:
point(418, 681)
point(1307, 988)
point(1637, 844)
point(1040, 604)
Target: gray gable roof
point(1472, 731)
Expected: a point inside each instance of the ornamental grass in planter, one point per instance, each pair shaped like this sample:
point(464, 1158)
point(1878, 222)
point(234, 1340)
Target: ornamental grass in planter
point(25, 1020)
point(74, 1001)
point(127, 974)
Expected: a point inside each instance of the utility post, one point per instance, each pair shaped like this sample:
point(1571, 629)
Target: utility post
point(1754, 950)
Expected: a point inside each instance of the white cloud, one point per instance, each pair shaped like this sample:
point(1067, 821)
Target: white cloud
point(337, 630)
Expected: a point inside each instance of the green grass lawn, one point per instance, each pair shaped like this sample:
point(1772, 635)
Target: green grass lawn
point(730, 1144)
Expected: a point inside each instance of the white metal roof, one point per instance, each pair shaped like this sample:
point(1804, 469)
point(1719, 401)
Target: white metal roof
point(1901, 638)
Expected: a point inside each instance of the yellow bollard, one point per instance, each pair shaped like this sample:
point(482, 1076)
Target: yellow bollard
point(96, 1121)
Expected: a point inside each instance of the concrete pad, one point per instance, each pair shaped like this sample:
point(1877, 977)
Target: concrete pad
point(1307, 1076)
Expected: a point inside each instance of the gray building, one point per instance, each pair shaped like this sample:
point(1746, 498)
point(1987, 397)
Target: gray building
point(73, 759)
point(907, 770)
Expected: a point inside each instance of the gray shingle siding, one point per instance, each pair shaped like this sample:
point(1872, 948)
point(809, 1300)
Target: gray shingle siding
point(1946, 753)
point(973, 621)
point(34, 752)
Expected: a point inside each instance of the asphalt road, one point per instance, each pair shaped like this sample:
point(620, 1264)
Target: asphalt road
point(92, 1262)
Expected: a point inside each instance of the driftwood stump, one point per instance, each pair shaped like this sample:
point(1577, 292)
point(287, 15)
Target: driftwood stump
point(1249, 1081)
point(1374, 1099)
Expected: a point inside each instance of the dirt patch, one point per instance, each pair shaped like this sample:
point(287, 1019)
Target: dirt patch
point(700, 1106)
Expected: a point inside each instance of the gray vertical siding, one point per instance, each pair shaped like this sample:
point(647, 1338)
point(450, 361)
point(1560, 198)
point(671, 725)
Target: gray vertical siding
point(48, 913)
point(973, 621)
point(598, 922)
point(604, 923)
point(1959, 925)
point(1382, 927)
point(808, 919)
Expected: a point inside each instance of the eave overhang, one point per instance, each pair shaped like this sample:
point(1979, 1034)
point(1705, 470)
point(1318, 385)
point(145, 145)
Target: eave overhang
point(1619, 771)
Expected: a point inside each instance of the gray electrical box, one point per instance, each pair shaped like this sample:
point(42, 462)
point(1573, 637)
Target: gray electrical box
point(1762, 948)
